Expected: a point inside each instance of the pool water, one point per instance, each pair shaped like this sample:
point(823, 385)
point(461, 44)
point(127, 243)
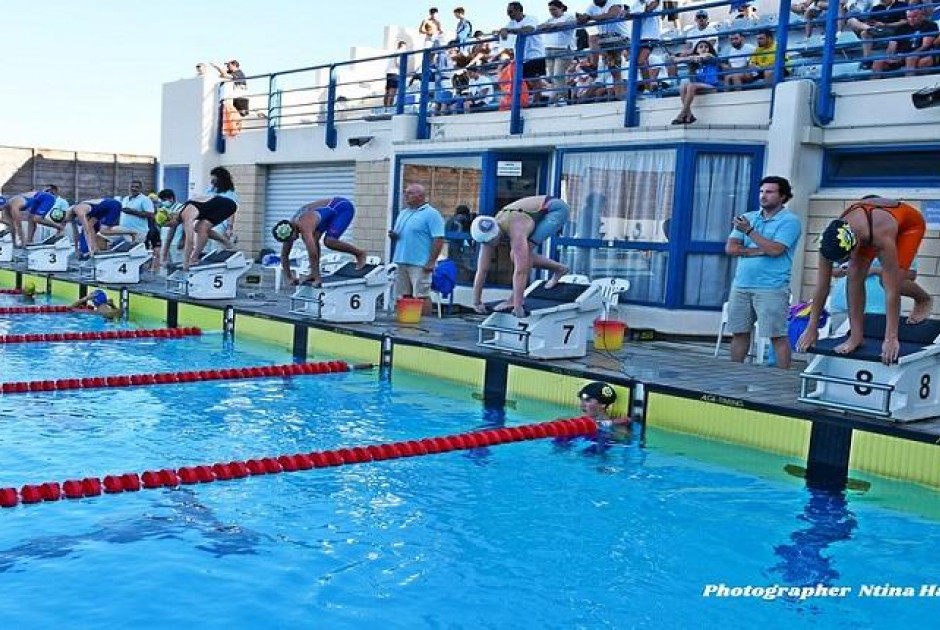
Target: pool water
point(533, 534)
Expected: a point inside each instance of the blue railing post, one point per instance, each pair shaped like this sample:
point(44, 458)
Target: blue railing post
point(331, 110)
point(515, 108)
point(274, 106)
point(220, 130)
point(402, 83)
point(631, 115)
point(783, 36)
point(825, 100)
point(424, 130)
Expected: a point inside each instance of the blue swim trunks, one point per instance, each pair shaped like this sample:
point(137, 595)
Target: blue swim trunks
point(108, 212)
point(40, 204)
point(335, 217)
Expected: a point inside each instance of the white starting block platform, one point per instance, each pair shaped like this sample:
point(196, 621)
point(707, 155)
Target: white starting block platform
point(860, 383)
point(6, 246)
point(118, 265)
point(557, 326)
point(347, 295)
point(51, 255)
point(214, 277)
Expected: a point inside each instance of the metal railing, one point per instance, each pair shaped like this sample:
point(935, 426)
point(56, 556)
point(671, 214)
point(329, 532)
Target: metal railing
point(330, 94)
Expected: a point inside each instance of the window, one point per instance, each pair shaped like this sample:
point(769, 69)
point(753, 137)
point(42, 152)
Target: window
point(621, 205)
point(900, 166)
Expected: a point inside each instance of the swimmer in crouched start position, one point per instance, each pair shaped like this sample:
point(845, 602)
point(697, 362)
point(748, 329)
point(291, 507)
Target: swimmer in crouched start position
point(527, 222)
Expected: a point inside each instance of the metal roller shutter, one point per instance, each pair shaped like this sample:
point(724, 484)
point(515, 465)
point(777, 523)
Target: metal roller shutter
point(290, 186)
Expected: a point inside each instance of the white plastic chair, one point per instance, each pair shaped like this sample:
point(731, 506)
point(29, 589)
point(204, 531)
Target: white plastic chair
point(611, 289)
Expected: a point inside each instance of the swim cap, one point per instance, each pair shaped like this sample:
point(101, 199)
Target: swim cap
point(56, 215)
point(484, 230)
point(282, 231)
point(601, 392)
point(99, 297)
point(29, 288)
point(161, 217)
point(837, 241)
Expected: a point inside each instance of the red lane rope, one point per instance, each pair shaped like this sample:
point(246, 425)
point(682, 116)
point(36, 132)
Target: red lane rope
point(206, 473)
point(158, 333)
point(11, 291)
point(35, 310)
point(166, 378)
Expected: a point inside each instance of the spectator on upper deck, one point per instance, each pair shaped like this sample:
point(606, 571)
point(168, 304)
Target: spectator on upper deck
point(612, 38)
point(481, 91)
point(533, 59)
point(886, 17)
point(480, 53)
point(650, 32)
point(853, 9)
point(917, 35)
point(464, 27)
point(737, 61)
point(701, 30)
point(430, 27)
point(559, 45)
point(810, 10)
point(236, 78)
point(704, 65)
point(393, 75)
point(764, 57)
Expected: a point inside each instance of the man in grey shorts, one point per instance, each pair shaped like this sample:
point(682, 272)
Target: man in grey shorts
point(765, 241)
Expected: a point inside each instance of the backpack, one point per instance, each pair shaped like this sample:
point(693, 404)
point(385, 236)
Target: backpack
point(444, 278)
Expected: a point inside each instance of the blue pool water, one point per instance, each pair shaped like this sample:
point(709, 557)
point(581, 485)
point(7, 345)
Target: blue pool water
point(522, 535)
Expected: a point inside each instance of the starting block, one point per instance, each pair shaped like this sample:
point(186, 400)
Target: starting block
point(214, 277)
point(557, 326)
point(859, 382)
point(347, 295)
point(118, 265)
point(51, 254)
point(6, 246)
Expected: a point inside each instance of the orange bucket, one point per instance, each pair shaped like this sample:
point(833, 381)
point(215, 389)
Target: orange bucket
point(608, 334)
point(408, 310)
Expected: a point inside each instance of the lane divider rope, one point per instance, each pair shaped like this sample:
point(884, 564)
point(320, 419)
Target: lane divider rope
point(207, 473)
point(36, 310)
point(167, 378)
point(11, 291)
point(148, 333)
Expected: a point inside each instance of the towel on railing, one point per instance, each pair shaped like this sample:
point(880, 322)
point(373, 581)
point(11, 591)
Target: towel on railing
point(231, 120)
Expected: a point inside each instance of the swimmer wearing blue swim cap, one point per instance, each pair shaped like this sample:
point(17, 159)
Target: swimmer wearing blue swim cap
point(100, 303)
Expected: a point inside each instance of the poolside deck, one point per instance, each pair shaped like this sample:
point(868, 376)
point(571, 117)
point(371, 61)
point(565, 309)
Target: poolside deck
point(685, 369)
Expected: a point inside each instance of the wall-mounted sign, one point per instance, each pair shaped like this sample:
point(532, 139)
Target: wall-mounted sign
point(931, 210)
point(508, 168)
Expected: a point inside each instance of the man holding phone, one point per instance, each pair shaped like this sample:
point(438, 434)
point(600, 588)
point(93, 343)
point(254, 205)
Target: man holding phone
point(765, 241)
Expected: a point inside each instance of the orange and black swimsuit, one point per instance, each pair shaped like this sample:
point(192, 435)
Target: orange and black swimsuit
point(911, 229)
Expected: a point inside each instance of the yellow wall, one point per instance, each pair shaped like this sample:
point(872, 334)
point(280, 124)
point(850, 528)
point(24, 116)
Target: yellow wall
point(267, 330)
point(559, 389)
point(896, 458)
point(776, 434)
point(323, 343)
point(200, 316)
point(7, 279)
point(440, 365)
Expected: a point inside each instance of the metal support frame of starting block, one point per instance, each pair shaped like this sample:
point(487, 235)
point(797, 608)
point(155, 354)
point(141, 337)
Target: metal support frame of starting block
point(347, 295)
point(860, 383)
point(50, 255)
point(214, 277)
point(6, 246)
point(118, 265)
point(557, 326)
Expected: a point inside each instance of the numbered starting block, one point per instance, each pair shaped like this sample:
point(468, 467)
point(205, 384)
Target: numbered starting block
point(118, 265)
point(214, 277)
point(859, 382)
point(50, 255)
point(347, 295)
point(557, 326)
point(6, 246)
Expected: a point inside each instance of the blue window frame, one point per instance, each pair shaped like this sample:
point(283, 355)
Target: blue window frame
point(887, 166)
point(658, 216)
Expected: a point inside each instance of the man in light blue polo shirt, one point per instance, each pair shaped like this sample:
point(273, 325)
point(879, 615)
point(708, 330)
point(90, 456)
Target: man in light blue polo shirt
point(765, 241)
point(137, 210)
point(418, 237)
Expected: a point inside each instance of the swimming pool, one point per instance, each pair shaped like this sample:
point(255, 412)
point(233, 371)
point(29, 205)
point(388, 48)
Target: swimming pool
point(531, 534)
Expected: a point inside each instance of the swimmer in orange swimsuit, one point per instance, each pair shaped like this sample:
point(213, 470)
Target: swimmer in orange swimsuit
point(874, 227)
